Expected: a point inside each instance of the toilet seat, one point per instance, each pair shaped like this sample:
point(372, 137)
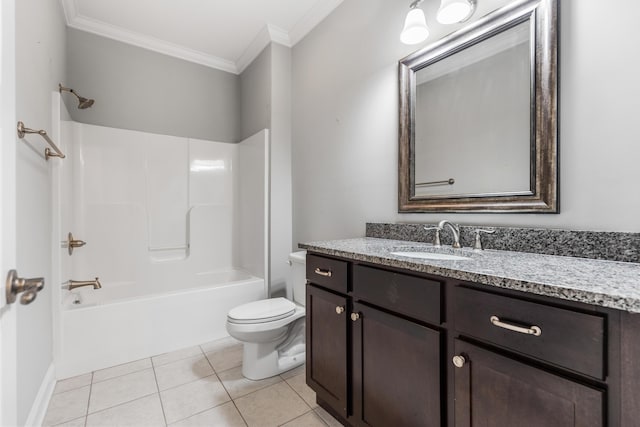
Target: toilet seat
point(266, 310)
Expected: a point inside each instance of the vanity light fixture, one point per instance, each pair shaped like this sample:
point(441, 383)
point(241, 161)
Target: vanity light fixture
point(455, 11)
point(415, 25)
point(451, 12)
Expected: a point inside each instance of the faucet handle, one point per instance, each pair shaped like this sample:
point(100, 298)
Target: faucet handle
point(436, 237)
point(478, 242)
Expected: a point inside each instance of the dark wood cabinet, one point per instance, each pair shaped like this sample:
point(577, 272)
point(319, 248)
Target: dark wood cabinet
point(381, 343)
point(396, 371)
point(327, 347)
point(492, 390)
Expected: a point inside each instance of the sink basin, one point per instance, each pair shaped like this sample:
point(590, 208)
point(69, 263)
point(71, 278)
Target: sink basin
point(432, 256)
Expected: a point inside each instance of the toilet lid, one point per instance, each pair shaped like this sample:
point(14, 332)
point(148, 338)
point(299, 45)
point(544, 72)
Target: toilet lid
point(265, 310)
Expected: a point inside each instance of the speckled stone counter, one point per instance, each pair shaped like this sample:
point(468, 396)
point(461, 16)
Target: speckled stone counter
point(610, 246)
point(604, 283)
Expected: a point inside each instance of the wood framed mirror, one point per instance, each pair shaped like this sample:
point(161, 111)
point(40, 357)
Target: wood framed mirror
point(478, 116)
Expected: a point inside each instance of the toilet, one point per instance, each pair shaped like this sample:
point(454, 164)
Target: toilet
point(272, 330)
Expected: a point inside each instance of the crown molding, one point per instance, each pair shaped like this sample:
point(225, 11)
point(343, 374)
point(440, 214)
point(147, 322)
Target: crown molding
point(79, 22)
point(269, 33)
point(70, 10)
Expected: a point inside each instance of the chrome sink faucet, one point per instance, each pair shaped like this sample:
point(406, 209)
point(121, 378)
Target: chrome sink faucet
point(455, 229)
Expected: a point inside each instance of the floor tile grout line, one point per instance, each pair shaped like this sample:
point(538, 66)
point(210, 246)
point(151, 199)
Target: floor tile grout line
point(121, 375)
point(203, 411)
point(177, 360)
point(299, 395)
point(187, 383)
point(246, 394)
point(318, 415)
point(120, 404)
point(240, 412)
point(86, 414)
point(120, 364)
point(233, 401)
point(306, 413)
point(155, 378)
point(212, 407)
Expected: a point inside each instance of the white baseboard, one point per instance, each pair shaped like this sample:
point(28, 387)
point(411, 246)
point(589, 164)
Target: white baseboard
point(41, 403)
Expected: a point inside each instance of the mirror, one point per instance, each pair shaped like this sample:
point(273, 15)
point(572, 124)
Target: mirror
point(478, 116)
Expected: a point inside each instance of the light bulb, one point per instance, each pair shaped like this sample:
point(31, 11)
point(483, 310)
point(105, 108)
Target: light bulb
point(454, 11)
point(415, 27)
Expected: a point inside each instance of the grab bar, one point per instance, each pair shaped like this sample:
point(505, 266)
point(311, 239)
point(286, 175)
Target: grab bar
point(22, 131)
point(449, 181)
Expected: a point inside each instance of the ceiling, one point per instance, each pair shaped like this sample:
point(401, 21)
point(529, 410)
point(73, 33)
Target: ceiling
point(222, 34)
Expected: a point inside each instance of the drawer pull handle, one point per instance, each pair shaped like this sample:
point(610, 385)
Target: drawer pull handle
point(325, 273)
point(355, 316)
point(531, 330)
point(339, 309)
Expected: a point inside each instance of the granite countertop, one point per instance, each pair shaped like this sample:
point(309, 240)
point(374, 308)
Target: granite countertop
point(604, 283)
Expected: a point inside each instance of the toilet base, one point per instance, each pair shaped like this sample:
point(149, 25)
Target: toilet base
point(258, 364)
point(264, 360)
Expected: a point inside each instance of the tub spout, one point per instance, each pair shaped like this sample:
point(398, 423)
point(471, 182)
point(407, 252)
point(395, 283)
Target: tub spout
point(72, 284)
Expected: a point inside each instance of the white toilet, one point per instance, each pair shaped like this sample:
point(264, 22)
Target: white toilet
point(272, 330)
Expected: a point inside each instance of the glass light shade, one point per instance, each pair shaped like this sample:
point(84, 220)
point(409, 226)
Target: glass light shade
point(415, 27)
point(454, 11)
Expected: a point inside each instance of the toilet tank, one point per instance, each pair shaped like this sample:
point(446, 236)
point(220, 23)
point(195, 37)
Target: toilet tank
point(297, 277)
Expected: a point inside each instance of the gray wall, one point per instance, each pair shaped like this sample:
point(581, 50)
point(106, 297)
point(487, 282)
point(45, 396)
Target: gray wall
point(265, 91)
point(281, 204)
point(345, 122)
point(255, 95)
point(40, 65)
point(142, 90)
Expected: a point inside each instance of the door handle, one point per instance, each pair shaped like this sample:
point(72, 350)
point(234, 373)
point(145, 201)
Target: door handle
point(29, 288)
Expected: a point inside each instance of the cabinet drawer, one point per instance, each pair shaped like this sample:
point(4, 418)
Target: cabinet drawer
point(326, 272)
point(412, 296)
point(560, 336)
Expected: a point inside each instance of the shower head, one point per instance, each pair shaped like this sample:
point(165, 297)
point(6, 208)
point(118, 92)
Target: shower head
point(82, 101)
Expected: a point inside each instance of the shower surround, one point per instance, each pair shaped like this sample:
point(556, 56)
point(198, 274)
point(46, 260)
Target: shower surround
point(176, 232)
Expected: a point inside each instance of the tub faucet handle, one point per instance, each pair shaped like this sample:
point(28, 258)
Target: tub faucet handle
point(72, 243)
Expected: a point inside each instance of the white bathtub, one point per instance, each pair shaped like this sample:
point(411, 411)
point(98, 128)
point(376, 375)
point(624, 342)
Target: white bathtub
point(123, 322)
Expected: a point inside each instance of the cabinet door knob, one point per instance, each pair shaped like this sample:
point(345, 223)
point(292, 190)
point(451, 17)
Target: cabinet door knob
point(458, 361)
point(355, 316)
point(340, 309)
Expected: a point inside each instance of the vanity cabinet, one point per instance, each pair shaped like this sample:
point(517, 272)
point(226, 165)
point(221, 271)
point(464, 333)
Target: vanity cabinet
point(494, 390)
point(389, 346)
point(327, 347)
point(396, 370)
point(373, 358)
point(537, 374)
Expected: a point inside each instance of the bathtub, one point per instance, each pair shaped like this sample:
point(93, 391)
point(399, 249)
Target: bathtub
point(127, 321)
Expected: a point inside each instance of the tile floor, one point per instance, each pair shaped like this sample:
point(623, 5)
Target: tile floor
point(196, 386)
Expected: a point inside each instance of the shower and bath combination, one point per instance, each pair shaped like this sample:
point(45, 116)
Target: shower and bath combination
point(82, 101)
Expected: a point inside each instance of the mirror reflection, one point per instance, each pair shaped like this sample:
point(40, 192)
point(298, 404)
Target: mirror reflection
point(472, 114)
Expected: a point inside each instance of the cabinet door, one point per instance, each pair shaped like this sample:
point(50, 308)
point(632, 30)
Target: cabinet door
point(493, 390)
point(327, 347)
point(396, 371)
